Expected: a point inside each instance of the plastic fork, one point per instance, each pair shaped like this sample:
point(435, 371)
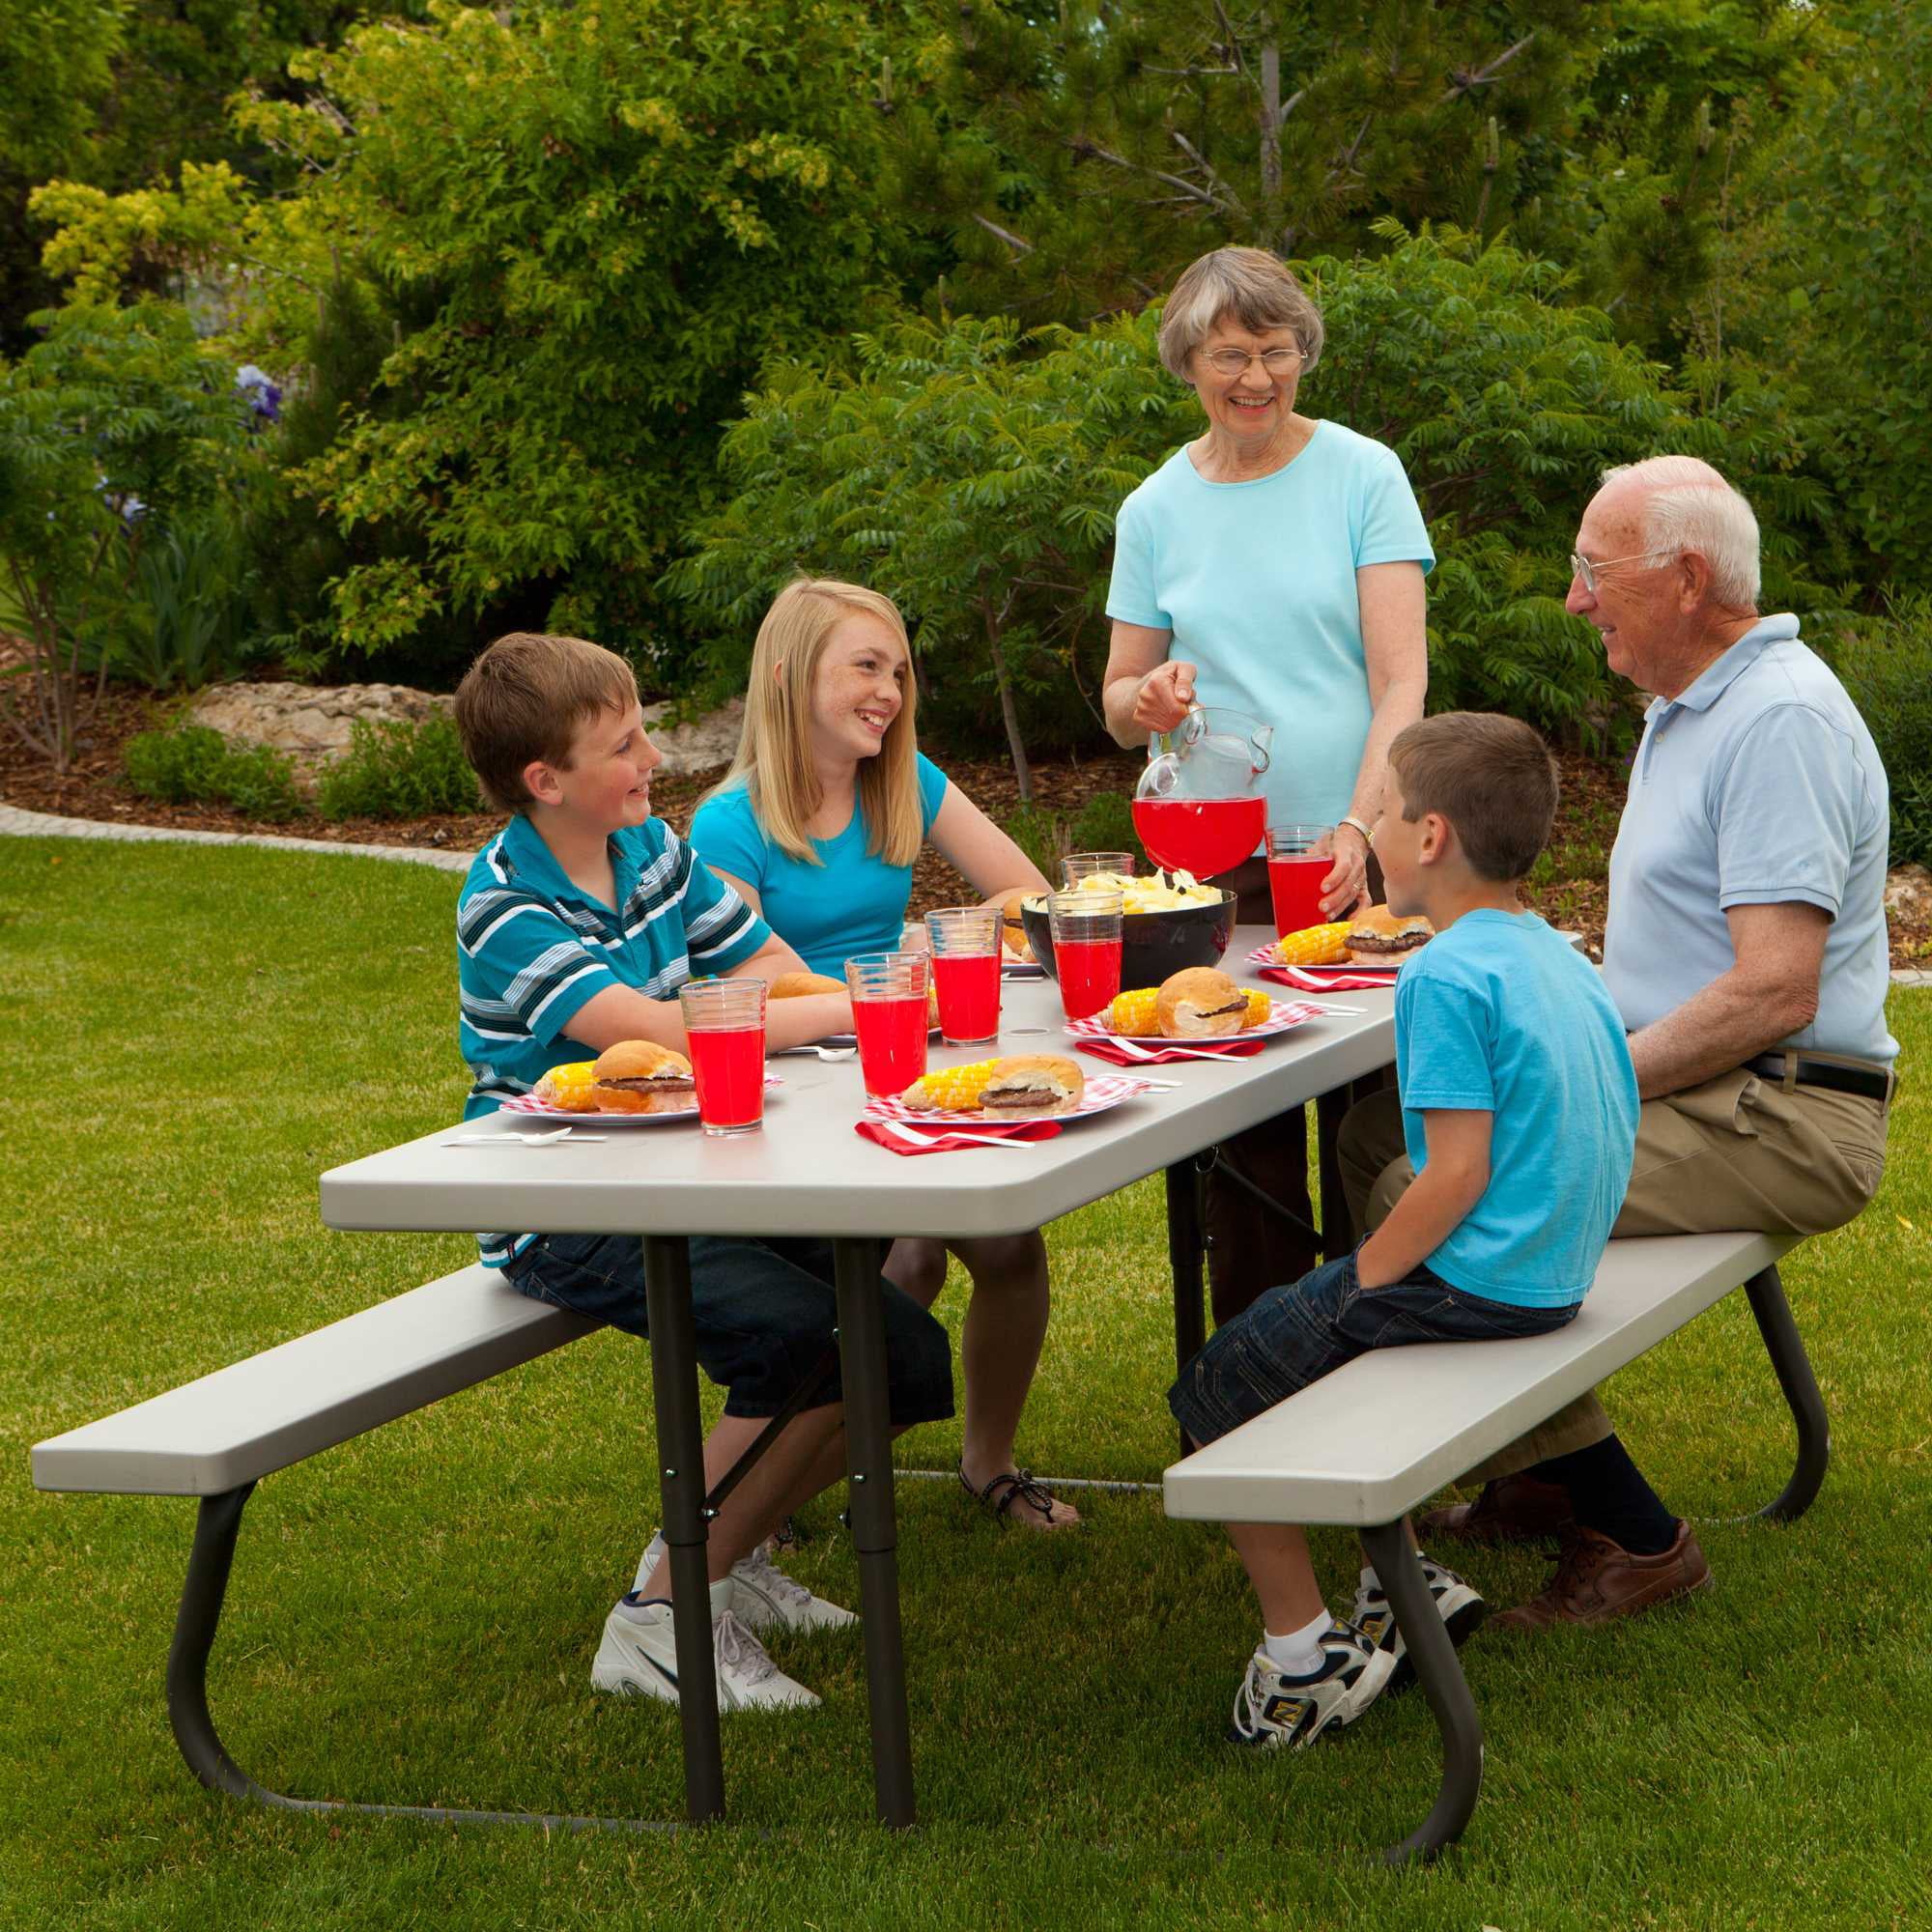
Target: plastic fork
point(520, 1140)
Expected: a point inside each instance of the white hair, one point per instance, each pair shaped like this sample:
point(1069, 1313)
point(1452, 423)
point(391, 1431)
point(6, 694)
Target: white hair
point(1689, 506)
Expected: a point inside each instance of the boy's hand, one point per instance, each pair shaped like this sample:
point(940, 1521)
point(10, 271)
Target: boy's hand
point(1451, 1183)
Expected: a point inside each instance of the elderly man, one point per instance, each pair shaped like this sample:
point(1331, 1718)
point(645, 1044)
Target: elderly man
point(1747, 953)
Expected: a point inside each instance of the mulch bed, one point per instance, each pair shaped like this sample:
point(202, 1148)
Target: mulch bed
point(1576, 896)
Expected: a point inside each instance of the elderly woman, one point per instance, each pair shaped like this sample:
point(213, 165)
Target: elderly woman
point(1276, 566)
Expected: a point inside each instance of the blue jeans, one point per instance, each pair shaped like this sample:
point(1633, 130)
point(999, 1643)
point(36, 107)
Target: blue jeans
point(1297, 1334)
point(762, 1313)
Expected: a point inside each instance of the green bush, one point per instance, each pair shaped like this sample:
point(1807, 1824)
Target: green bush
point(1887, 666)
point(399, 769)
point(189, 764)
point(182, 625)
point(1105, 823)
point(1040, 836)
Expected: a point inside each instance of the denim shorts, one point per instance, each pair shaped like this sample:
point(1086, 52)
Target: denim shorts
point(762, 1313)
point(1297, 1334)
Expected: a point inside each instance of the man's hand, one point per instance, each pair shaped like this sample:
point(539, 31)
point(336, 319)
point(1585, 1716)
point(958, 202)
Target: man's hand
point(1165, 696)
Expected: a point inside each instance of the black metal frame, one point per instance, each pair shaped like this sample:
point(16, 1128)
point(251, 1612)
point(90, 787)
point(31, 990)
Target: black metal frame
point(688, 1510)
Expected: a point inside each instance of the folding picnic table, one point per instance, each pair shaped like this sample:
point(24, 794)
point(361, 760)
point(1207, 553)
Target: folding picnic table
point(809, 1174)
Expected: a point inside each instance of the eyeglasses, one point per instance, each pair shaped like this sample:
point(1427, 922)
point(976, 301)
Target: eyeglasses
point(1234, 362)
point(1581, 566)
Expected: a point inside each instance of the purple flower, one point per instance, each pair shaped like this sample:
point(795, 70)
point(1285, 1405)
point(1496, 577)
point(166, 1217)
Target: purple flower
point(264, 397)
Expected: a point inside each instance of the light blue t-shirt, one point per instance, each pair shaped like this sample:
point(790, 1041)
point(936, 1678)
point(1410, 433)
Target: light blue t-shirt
point(1496, 1014)
point(850, 902)
point(1256, 581)
point(1758, 786)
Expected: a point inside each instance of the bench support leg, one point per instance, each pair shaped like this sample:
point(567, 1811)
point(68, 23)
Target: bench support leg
point(1793, 1367)
point(1443, 1685)
point(1184, 1254)
point(217, 1525)
point(868, 1463)
point(681, 1478)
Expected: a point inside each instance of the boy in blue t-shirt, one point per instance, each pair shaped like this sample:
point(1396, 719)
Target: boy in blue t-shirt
point(1519, 1108)
point(576, 928)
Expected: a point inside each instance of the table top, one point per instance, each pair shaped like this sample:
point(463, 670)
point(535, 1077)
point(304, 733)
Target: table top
point(809, 1173)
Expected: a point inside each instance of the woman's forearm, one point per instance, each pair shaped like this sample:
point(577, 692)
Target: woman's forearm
point(1397, 708)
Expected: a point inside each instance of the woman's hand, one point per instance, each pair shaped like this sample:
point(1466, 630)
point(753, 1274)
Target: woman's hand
point(1165, 696)
point(1347, 885)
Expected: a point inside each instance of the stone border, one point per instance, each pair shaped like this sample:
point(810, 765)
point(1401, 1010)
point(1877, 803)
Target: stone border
point(23, 824)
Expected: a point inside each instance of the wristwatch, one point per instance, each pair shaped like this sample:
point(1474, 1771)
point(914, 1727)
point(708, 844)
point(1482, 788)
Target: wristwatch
point(1368, 836)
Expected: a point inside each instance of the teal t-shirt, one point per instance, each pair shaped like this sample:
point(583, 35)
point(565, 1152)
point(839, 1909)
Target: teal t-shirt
point(850, 902)
point(1499, 1015)
point(1256, 581)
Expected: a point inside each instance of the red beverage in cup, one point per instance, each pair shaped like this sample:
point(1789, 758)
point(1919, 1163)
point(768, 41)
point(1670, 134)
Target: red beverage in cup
point(892, 1043)
point(969, 996)
point(1089, 971)
point(1202, 836)
point(729, 1066)
point(1294, 884)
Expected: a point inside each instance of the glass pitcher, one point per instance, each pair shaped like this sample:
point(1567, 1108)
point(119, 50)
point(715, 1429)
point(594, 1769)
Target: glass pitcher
point(1200, 807)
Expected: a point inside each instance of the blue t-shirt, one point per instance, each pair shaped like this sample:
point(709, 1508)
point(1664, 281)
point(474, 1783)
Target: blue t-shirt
point(1257, 582)
point(532, 947)
point(852, 902)
point(1499, 1015)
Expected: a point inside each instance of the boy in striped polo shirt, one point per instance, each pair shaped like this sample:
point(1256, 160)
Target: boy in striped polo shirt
point(576, 926)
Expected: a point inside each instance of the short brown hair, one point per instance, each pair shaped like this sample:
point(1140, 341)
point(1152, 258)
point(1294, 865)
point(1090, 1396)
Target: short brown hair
point(1491, 777)
point(524, 699)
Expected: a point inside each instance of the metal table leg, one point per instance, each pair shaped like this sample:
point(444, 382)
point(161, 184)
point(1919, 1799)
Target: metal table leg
point(1443, 1684)
point(1183, 1259)
point(1337, 1233)
point(681, 1477)
point(868, 1462)
point(1793, 1367)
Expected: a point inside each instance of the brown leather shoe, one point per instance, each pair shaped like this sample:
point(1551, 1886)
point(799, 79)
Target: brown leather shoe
point(1513, 1508)
point(1597, 1579)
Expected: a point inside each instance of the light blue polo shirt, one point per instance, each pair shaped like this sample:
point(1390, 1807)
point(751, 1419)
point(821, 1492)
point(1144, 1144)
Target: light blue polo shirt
point(1257, 582)
point(532, 947)
point(849, 901)
point(1498, 1016)
point(1758, 786)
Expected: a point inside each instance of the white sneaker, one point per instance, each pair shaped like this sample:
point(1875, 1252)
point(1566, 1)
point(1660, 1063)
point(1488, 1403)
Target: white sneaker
point(637, 1658)
point(1456, 1601)
point(1275, 1711)
point(764, 1597)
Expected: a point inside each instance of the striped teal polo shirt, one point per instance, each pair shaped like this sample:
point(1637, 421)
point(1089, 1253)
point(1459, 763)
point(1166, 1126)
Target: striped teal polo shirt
point(531, 948)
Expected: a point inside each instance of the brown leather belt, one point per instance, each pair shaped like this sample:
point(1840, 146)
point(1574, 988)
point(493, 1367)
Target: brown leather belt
point(1868, 1081)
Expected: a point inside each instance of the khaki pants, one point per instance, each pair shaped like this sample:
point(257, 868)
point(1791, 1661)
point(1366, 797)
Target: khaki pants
point(1739, 1153)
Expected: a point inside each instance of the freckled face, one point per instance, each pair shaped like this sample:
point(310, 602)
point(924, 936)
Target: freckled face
point(859, 688)
point(608, 782)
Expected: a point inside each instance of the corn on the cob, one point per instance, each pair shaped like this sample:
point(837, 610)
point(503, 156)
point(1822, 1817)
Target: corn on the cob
point(1315, 946)
point(569, 1088)
point(1260, 1007)
point(1133, 1013)
point(955, 1086)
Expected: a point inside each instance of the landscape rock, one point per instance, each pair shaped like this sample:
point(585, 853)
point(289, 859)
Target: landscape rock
point(699, 747)
point(309, 722)
point(1908, 892)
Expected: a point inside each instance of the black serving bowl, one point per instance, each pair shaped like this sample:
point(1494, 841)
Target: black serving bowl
point(1152, 944)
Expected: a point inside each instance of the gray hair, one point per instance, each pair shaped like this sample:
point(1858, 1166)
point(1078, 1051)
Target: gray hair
point(1251, 285)
point(1689, 506)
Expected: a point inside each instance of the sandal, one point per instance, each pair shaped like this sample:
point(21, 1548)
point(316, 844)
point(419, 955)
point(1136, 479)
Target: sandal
point(1011, 1487)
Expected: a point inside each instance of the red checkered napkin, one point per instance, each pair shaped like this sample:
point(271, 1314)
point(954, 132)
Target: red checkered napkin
point(897, 1137)
point(1158, 1053)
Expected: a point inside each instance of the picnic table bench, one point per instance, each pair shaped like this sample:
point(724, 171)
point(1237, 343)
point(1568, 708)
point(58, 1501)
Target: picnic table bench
point(1366, 1445)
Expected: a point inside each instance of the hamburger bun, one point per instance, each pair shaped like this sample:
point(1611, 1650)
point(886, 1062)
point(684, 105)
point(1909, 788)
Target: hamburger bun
point(795, 985)
point(1201, 1003)
point(638, 1076)
point(1378, 937)
point(1023, 1086)
point(1012, 929)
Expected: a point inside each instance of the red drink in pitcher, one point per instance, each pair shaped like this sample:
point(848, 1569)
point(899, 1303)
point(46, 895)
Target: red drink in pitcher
point(1202, 836)
point(892, 1043)
point(1294, 884)
point(1089, 971)
point(969, 996)
point(729, 1066)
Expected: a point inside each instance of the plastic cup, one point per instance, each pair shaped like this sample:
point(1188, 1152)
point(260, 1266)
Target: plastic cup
point(890, 1015)
point(1299, 858)
point(1077, 865)
point(1086, 930)
point(965, 946)
point(725, 1027)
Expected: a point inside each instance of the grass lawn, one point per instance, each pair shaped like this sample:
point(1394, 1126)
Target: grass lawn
point(194, 1034)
